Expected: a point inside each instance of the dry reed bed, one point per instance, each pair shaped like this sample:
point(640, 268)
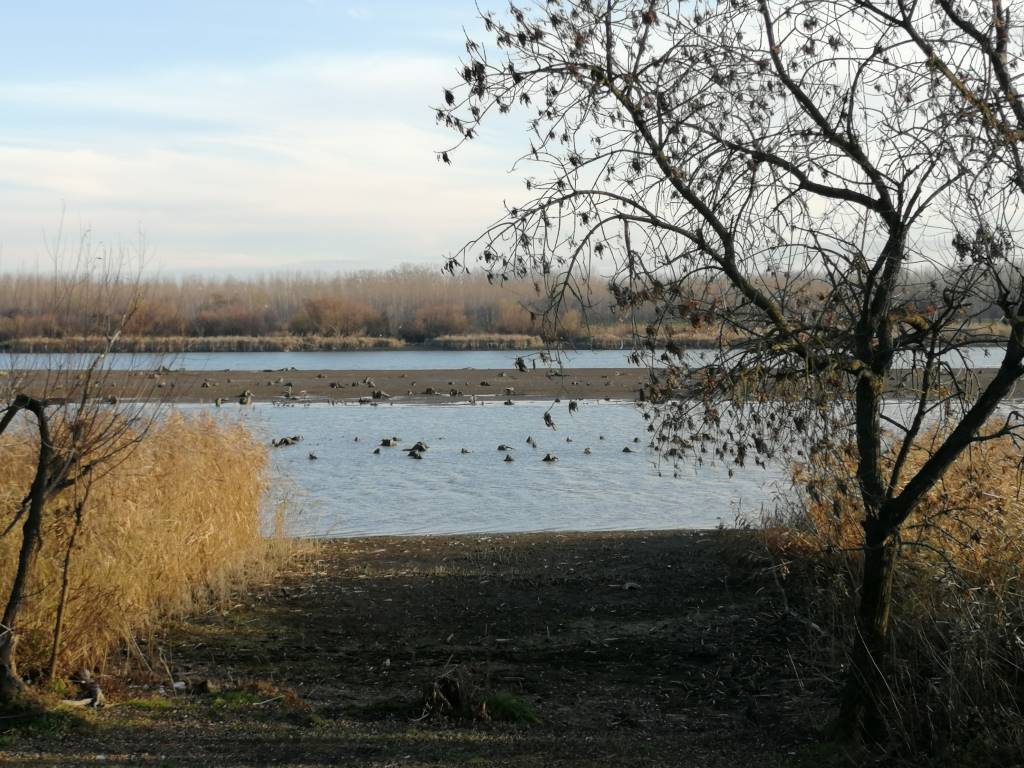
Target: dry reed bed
point(173, 526)
point(957, 684)
point(971, 522)
point(293, 343)
point(488, 341)
point(412, 302)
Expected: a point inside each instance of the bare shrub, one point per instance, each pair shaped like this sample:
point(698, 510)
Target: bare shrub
point(439, 320)
point(334, 316)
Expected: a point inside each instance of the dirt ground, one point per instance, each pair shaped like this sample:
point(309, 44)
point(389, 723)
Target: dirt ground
point(615, 649)
point(292, 387)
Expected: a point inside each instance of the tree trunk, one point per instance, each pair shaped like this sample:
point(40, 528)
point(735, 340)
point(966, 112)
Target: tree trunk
point(861, 714)
point(10, 683)
point(11, 687)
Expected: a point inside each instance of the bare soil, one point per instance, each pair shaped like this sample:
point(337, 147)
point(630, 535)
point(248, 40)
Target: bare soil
point(376, 387)
point(428, 386)
point(631, 649)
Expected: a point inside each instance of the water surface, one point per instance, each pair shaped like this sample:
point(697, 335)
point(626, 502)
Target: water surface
point(362, 360)
point(389, 360)
point(349, 491)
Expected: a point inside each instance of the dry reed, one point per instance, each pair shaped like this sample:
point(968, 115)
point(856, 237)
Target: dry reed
point(172, 526)
point(957, 675)
point(488, 341)
point(971, 521)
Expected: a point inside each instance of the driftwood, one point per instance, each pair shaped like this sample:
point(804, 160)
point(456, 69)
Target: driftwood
point(93, 694)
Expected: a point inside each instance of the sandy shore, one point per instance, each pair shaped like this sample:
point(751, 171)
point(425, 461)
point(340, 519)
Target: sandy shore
point(420, 386)
point(428, 386)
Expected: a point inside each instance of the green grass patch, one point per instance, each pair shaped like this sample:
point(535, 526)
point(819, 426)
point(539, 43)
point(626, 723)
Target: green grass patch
point(60, 688)
point(151, 703)
point(238, 699)
point(820, 755)
point(50, 723)
point(508, 708)
point(307, 719)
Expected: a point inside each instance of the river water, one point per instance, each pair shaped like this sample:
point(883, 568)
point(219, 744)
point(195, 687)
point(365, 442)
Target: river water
point(384, 360)
point(363, 360)
point(350, 491)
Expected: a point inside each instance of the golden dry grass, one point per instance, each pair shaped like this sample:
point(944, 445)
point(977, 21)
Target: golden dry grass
point(972, 520)
point(176, 524)
point(956, 680)
point(489, 341)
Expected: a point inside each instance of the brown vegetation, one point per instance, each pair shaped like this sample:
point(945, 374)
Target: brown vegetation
point(175, 523)
point(172, 344)
point(294, 311)
point(368, 310)
point(955, 687)
point(489, 341)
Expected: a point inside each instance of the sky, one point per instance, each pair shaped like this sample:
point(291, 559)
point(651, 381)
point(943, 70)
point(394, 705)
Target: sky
point(241, 136)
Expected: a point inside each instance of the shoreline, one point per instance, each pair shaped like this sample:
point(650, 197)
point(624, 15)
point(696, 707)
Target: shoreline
point(522, 537)
point(142, 345)
point(367, 387)
point(362, 386)
point(567, 534)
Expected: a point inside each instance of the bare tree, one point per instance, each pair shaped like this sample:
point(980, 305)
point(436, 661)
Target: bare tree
point(79, 426)
point(834, 186)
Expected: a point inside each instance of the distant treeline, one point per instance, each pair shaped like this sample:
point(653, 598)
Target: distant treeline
point(283, 343)
point(363, 310)
point(410, 304)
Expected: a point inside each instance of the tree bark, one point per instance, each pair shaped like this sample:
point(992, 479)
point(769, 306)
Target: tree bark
point(10, 684)
point(861, 714)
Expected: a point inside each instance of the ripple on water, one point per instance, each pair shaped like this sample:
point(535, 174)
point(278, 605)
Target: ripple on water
point(351, 491)
point(397, 360)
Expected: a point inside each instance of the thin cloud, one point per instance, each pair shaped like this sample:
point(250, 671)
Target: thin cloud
point(332, 153)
